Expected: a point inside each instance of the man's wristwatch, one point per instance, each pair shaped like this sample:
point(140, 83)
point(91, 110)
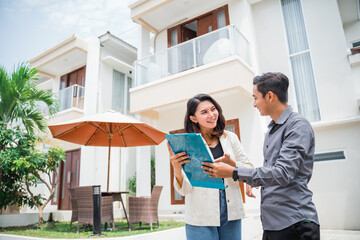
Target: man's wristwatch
point(235, 175)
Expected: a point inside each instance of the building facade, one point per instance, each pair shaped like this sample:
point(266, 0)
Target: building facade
point(217, 47)
point(88, 76)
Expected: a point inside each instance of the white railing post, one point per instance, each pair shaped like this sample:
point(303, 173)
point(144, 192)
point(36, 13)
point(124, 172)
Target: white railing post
point(194, 52)
point(77, 95)
point(232, 40)
point(72, 96)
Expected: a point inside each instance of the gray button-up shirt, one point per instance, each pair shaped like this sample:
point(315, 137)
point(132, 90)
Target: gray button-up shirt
point(288, 163)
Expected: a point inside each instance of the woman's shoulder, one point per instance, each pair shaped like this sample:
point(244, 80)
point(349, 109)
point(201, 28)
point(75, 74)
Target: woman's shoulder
point(229, 135)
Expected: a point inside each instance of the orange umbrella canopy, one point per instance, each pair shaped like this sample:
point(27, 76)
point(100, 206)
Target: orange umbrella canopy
point(109, 129)
point(96, 130)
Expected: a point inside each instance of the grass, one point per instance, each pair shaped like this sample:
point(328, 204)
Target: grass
point(60, 230)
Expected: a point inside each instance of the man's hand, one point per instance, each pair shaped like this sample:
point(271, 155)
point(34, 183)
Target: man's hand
point(218, 170)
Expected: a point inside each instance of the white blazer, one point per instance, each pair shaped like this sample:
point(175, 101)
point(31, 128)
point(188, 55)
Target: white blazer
point(202, 206)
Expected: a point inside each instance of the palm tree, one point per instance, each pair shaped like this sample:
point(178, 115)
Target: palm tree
point(19, 99)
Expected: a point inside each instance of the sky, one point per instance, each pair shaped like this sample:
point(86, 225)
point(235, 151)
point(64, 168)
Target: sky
point(28, 27)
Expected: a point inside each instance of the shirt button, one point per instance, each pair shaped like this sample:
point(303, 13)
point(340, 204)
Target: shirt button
point(265, 160)
point(228, 200)
point(267, 146)
point(227, 186)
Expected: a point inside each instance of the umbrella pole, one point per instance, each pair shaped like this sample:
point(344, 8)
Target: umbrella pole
point(108, 175)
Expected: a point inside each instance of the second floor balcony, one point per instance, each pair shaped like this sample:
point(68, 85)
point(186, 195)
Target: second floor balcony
point(70, 98)
point(218, 61)
point(216, 45)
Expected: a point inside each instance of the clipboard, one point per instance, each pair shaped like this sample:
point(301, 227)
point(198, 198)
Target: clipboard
point(194, 145)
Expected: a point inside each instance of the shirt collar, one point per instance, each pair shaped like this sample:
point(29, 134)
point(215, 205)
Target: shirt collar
point(283, 117)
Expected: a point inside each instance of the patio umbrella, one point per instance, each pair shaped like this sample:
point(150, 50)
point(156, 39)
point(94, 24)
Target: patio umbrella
point(111, 129)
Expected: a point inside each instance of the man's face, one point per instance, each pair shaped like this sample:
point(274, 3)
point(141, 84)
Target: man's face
point(260, 102)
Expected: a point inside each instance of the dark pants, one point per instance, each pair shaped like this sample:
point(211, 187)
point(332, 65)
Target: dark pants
point(299, 231)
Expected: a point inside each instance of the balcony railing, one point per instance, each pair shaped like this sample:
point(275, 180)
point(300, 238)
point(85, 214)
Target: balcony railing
point(70, 97)
point(213, 46)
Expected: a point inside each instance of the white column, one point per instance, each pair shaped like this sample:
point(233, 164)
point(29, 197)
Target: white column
point(143, 171)
point(144, 46)
point(92, 76)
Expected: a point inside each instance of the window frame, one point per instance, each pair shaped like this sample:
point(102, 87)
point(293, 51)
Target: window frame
point(126, 93)
point(213, 21)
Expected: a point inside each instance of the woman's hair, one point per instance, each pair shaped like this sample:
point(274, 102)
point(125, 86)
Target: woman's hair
point(192, 104)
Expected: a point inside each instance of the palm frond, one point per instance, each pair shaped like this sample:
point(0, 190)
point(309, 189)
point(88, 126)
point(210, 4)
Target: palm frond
point(19, 98)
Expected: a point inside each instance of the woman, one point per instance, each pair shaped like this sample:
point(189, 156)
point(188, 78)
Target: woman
point(211, 213)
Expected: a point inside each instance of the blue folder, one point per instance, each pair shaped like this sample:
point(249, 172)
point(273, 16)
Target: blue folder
point(193, 144)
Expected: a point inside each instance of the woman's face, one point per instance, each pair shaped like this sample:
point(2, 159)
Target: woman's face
point(206, 115)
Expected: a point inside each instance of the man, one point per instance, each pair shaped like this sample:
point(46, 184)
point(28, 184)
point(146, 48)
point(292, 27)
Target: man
point(287, 210)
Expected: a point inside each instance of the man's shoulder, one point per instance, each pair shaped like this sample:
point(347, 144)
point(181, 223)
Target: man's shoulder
point(298, 120)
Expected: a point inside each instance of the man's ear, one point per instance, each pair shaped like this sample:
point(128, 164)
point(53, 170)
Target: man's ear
point(193, 119)
point(270, 96)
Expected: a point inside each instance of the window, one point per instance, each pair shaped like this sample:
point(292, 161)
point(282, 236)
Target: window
point(300, 59)
point(232, 126)
point(75, 77)
point(355, 44)
point(120, 92)
point(198, 26)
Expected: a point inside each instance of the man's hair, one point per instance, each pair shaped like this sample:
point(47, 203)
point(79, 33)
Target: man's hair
point(275, 82)
point(192, 104)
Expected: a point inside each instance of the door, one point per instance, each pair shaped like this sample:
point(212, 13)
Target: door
point(70, 170)
point(205, 25)
point(196, 27)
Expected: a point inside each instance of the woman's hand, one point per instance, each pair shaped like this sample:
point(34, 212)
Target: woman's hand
point(249, 192)
point(226, 159)
point(177, 160)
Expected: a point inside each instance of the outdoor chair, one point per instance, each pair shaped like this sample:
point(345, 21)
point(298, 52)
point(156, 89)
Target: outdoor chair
point(84, 198)
point(145, 209)
point(74, 207)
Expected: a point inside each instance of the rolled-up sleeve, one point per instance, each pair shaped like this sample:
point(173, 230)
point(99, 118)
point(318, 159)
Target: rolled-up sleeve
point(286, 165)
point(186, 186)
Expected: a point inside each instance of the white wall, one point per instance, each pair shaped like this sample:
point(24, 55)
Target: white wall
point(271, 43)
point(330, 63)
point(336, 183)
point(352, 32)
point(92, 76)
point(105, 87)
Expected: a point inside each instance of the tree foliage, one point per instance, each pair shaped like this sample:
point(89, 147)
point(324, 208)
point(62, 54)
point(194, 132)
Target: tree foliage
point(20, 98)
point(20, 162)
point(24, 167)
point(11, 187)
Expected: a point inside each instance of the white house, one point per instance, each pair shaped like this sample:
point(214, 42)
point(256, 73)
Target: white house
point(217, 47)
point(88, 76)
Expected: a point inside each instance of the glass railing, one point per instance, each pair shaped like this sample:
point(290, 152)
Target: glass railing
point(213, 46)
point(70, 97)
